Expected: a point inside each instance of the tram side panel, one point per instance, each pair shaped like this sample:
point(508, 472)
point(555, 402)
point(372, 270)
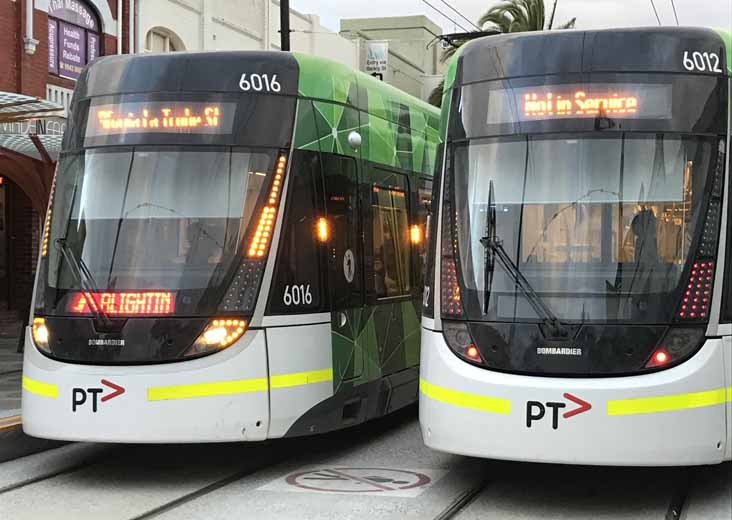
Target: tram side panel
point(374, 339)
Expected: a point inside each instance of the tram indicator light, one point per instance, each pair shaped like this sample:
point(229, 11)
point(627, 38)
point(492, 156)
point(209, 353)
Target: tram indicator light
point(148, 303)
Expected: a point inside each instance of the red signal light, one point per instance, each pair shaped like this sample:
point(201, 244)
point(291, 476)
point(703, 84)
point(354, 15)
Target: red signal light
point(472, 353)
point(659, 358)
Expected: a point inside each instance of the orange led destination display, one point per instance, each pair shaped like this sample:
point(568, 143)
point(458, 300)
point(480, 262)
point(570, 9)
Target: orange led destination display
point(579, 104)
point(576, 101)
point(148, 303)
point(160, 117)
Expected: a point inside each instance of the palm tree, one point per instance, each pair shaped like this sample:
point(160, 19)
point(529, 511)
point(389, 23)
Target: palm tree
point(509, 16)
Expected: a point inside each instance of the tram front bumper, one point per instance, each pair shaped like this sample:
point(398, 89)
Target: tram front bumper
point(675, 417)
point(217, 398)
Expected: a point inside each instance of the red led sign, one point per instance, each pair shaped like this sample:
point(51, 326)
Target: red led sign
point(152, 303)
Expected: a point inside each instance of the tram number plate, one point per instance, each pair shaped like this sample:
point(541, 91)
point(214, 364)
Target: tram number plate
point(259, 83)
point(297, 295)
point(702, 62)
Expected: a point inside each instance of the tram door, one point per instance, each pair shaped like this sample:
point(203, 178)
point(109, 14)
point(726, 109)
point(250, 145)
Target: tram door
point(345, 266)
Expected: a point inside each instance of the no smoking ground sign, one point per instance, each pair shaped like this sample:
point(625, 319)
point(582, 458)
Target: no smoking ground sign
point(386, 482)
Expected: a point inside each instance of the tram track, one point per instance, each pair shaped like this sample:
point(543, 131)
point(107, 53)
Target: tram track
point(680, 496)
point(97, 459)
point(462, 501)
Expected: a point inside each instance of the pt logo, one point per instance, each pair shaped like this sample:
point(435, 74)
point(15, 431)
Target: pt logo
point(535, 411)
point(79, 396)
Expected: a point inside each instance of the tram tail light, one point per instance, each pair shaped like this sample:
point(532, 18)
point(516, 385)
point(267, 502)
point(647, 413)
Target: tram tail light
point(697, 295)
point(40, 334)
point(262, 237)
point(677, 345)
point(450, 301)
point(460, 341)
point(218, 335)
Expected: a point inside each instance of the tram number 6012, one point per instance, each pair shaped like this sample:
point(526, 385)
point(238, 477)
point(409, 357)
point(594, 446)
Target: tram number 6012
point(702, 61)
point(259, 83)
point(297, 295)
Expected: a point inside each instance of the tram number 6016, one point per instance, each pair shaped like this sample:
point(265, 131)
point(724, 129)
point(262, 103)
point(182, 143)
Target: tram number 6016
point(297, 295)
point(702, 61)
point(259, 83)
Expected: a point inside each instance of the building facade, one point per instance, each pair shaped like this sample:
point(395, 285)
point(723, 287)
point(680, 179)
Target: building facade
point(191, 25)
point(44, 45)
point(414, 55)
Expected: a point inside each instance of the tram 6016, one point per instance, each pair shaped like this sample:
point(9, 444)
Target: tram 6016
point(580, 305)
point(233, 251)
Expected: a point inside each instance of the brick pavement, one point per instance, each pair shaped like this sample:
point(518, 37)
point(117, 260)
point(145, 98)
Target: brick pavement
point(11, 364)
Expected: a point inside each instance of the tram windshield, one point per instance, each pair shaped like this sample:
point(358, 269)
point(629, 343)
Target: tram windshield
point(600, 227)
point(151, 220)
point(595, 190)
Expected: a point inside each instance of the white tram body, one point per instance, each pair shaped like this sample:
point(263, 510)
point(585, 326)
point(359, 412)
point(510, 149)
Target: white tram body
point(579, 311)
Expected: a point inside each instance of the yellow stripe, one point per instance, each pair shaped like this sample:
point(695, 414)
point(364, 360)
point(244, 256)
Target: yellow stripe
point(301, 378)
point(164, 393)
point(669, 403)
point(464, 399)
point(38, 388)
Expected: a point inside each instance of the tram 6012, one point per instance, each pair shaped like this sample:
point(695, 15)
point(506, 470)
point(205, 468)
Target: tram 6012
point(579, 307)
point(233, 251)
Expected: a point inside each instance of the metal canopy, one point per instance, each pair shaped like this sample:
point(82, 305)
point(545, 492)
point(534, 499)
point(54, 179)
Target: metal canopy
point(25, 145)
point(15, 108)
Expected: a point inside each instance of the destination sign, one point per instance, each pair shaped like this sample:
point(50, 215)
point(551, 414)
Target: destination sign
point(149, 303)
point(160, 117)
point(617, 101)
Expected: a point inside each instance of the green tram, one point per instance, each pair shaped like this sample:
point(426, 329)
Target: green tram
point(234, 250)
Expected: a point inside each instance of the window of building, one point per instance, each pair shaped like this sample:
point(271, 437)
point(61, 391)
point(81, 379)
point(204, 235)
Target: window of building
point(391, 244)
point(160, 40)
point(74, 37)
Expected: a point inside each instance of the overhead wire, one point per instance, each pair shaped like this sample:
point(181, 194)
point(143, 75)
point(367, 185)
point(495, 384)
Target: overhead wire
point(676, 15)
point(655, 12)
point(461, 15)
point(446, 16)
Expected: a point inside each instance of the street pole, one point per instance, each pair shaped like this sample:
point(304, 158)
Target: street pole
point(554, 11)
point(285, 25)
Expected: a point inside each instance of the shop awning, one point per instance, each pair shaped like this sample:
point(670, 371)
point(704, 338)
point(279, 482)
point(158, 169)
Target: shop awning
point(15, 108)
point(19, 108)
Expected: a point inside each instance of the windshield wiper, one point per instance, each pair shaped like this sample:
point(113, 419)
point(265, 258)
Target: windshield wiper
point(85, 280)
point(494, 248)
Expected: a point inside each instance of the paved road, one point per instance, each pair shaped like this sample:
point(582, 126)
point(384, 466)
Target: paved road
point(381, 471)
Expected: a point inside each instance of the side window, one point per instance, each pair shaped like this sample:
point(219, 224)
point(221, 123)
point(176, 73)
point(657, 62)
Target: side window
point(391, 242)
point(300, 283)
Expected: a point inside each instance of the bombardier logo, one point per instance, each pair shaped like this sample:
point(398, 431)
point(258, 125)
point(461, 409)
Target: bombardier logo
point(79, 396)
point(535, 411)
point(559, 351)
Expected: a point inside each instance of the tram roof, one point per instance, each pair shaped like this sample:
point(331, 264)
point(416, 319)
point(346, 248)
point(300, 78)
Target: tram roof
point(298, 74)
point(651, 49)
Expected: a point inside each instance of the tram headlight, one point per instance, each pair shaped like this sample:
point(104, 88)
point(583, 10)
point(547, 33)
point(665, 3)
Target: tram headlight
point(460, 341)
point(40, 334)
point(678, 344)
point(219, 334)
